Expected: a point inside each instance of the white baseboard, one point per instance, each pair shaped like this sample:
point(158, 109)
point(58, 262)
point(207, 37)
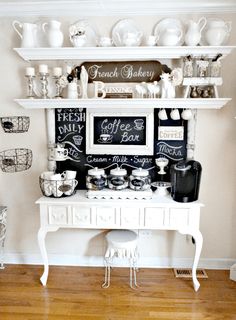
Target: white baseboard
point(97, 261)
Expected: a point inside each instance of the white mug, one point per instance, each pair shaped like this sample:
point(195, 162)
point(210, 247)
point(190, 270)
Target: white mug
point(46, 175)
point(73, 184)
point(186, 114)
point(69, 174)
point(56, 177)
point(105, 42)
point(60, 154)
point(175, 114)
point(162, 114)
point(151, 41)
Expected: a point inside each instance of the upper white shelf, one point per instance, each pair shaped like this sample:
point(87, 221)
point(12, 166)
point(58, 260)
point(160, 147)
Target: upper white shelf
point(121, 53)
point(123, 103)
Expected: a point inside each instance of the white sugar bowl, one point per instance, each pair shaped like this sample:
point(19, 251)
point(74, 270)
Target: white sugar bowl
point(140, 180)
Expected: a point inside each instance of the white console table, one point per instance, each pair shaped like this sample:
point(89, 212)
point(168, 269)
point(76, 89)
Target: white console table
point(159, 213)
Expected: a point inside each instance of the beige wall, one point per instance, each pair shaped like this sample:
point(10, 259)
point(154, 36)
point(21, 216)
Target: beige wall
point(216, 150)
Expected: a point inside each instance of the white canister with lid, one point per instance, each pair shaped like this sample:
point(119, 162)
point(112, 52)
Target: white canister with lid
point(140, 180)
point(118, 179)
point(96, 179)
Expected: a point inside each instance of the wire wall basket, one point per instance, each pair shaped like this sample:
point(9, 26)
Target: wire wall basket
point(15, 124)
point(15, 160)
point(57, 188)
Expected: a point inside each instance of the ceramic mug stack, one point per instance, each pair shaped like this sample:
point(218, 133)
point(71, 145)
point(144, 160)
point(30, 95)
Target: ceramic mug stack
point(58, 184)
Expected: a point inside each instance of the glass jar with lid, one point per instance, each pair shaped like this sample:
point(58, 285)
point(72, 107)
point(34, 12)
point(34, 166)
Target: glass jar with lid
point(118, 179)
point(96, 179)
point(140, 180)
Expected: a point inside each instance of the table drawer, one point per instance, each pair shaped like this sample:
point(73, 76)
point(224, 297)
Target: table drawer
point(81, 216)
point(179, 217)
point(106, 217)
point(58, 215)
point(130, 217)
point(154, 217)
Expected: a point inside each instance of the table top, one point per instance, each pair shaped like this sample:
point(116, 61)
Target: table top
point(80, 198)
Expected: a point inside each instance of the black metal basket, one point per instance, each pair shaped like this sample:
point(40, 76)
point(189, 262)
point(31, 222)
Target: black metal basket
point(15, 160)
point(57, 188)
point(15, 124)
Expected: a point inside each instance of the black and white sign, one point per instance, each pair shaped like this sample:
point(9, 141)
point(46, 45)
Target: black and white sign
point(119, 132)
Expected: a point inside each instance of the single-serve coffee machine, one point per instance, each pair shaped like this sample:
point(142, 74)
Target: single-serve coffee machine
point(185, 180)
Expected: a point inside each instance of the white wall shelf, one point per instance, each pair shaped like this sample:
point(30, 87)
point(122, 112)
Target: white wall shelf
point(121, 53)
point(123, 103)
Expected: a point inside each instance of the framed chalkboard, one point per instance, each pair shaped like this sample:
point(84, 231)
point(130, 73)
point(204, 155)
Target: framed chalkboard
point(116, 132)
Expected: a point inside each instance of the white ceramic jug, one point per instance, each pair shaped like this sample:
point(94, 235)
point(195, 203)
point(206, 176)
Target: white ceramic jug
point(194, 32)
point(170, 37)
point(28, 33)
point(217, 32)
point(54, 34)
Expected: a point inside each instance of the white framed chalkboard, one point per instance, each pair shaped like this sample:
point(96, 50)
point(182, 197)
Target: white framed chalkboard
point(119, 132)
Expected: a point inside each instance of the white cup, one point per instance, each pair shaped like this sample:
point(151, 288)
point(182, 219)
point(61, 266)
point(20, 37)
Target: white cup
point(56, 176)
point(175, 114)
point(69, 174)
point(151, 41)
point(47, 188)
point(105, 42)
point(60, 154)
point(162, 114)
point(56, 188)
point(73, 184)
point(186, 114)
point(46, 175)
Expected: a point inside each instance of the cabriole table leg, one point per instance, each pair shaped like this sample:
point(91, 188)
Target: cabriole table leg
point(41, 241)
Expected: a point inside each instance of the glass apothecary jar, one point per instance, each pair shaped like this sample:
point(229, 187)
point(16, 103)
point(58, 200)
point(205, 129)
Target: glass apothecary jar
point(96, 179)
point(118, 179)
point(140, 180)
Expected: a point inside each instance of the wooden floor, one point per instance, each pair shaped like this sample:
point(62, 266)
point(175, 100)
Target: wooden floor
point(76, 293)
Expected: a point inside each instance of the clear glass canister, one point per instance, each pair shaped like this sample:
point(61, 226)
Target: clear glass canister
point(96, 179)
point(140, 180)
point(118, 179)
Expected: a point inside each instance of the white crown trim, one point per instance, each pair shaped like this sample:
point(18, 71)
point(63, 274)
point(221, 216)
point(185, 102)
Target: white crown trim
point(86, 8)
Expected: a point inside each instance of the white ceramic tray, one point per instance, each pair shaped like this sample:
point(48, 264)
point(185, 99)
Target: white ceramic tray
point(119, 194)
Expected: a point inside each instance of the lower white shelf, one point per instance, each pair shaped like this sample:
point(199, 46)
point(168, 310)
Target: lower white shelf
point(189, 103)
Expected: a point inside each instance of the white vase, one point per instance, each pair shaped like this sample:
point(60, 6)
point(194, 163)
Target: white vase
point(54, 34)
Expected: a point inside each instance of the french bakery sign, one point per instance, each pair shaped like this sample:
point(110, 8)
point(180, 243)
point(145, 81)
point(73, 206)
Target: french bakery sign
point(129, 71)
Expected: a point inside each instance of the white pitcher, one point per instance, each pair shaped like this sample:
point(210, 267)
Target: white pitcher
point(194, 32)
point(28, 33)
point(217, 32)
point(54, 34)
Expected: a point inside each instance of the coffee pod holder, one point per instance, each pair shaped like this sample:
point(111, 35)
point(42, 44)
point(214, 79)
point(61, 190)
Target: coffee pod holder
point(15, 124)
point(16, 160)
point(57, 188)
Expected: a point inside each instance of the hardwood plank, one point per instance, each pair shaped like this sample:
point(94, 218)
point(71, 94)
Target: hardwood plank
point(76, 293)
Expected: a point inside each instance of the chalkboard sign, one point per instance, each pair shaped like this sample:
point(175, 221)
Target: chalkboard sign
point(72, 129)
point(173, 149)
point(119, 132)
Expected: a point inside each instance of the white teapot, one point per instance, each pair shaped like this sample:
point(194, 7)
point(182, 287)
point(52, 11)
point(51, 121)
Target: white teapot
point(217, 32)
point(28, 35)
point(194, 32)
point(170, 37)
point(130, 39)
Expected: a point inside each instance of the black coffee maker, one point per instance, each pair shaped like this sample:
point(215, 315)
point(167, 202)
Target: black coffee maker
point(185, 180)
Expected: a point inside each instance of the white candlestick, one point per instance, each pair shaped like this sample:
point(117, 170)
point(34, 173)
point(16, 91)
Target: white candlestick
point(30, 71)
point(43, 68)
point(57, 71)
